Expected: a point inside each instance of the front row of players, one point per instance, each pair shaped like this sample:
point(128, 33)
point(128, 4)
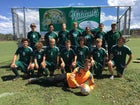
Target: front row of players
point(48, 60)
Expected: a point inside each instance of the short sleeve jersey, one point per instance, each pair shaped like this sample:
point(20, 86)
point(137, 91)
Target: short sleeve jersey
point(120, 53)
point(25, 54)
point(89, 39)
point(101, 35)
point(73, 36)
point(82, 54)
point(81, 77)
point(63, 36)
point(112, 38)
point(33, 37)
point(52, 54)
point(39, 55)
point(50, 35)
point(67, 55)
point(99, 54)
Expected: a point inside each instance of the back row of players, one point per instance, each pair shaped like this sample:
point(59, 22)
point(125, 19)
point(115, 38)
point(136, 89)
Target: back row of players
point(73, 48)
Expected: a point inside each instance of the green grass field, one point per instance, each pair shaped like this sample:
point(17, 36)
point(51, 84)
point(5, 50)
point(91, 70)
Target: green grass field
point(120, 91)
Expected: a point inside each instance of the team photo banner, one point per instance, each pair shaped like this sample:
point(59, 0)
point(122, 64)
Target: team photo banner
point(84, 16)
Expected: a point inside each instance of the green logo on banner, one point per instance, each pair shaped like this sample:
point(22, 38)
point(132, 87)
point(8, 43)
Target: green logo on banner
point(84, 16)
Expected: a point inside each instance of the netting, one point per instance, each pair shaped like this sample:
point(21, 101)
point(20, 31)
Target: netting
point(23, 17)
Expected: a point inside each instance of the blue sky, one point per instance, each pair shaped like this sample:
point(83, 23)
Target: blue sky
point(108, 15)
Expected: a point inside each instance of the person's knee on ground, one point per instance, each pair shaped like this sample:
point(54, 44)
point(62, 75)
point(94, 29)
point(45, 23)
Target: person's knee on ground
point(110, 67)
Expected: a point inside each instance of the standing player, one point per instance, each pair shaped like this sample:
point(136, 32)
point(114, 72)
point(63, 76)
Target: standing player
point(76, 79)
point(112, 36)
point(98, 56)
point(101, 34)
point(74, 35)
point(118, 58)
point(62, 37)
point(89, 37)
point(82, 52)
point(50, 34)
point(33, 36)
point(38, 58)
point(68, 58)
point(25, 59)
point(51, 57)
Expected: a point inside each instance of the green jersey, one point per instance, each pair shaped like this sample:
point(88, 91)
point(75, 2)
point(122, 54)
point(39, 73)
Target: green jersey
point(112, 38)
point(73, 36)
point(99, 54)
point(52, 54)
point(25, 54)
point(50, 35)
point(89, 39)
point(38, 55)
point(68, 56)
point(119, 54)
point(63, 36)
point(82, 54)
point(33, 37)
point(101, 35)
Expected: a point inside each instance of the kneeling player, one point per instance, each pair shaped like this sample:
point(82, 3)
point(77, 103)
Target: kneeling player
point(118, 57)
point(25, 59)
point(98, 56)
point(51, 57)
point(73, 80)
point(68, 58)
point(38, 58)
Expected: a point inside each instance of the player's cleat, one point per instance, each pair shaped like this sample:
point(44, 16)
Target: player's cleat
point(16, 78)
point(32, 80)
point(112, 77)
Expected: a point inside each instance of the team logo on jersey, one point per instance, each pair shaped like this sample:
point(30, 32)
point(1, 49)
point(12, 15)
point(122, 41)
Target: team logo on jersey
point(23, 53)
point(39, 56)
point(81, 53)
point(33, 36)
point(51, 53)
point(67, 55)
point(63, 35)
point(79, 74)
point(74, 35)
point(119, 53)
point(87, 37)
point(98, 54)
point(50, 37)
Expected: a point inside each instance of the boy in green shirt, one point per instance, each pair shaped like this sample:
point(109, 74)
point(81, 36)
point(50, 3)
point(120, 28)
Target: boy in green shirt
point(98, 56)
point(50, 34)
point(89, 37)
point(33, 36)
point(62, 37)
point(112, 36)
point(68, 58)
point(38, 58)
point(25, 59)
point(74, 35)
point(118, 57)
point(101, 34)
point(82, 52)
point(51, 57)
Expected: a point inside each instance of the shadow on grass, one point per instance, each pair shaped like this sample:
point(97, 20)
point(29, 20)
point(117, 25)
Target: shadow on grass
point(104, 76)
point(66, 89)
point(7, 77)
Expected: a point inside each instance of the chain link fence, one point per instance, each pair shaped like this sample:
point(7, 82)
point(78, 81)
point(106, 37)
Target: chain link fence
point(23, 17)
